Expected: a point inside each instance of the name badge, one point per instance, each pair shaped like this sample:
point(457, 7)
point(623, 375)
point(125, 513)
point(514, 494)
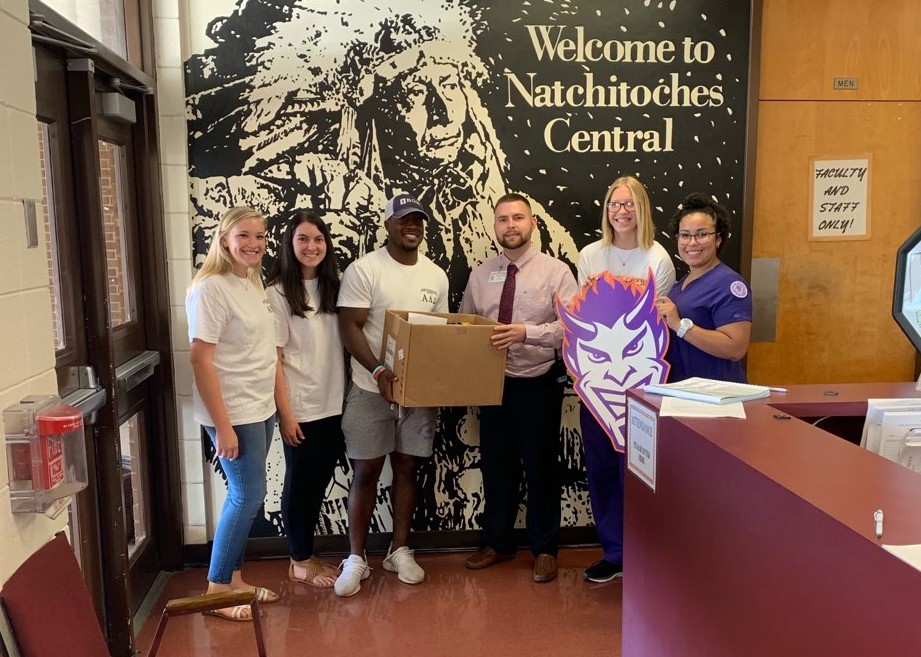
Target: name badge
point(497, 276)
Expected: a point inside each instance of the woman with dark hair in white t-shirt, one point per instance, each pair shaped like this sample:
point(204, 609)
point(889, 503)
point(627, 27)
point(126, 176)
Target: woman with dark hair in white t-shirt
point(231, 331)
point(309, 384)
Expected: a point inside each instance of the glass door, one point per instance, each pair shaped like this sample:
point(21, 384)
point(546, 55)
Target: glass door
point(134, 364)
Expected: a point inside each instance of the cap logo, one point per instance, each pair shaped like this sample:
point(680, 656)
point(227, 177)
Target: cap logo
point(403, 204)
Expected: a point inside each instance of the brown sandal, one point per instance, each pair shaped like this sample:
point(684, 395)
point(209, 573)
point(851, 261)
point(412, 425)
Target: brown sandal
point(307, 572)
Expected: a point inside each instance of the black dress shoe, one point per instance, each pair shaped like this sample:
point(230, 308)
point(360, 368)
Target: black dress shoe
point(485, 558)
point(603, 571)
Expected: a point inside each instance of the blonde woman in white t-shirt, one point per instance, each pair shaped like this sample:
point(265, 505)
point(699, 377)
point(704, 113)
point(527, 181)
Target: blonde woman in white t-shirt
point(232, 331)
point(309, 385)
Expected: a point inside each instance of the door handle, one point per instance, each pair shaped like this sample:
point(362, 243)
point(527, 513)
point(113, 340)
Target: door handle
point(89, 396)
point(132, 373)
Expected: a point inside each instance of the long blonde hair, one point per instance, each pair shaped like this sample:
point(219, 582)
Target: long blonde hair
point(645, 229)
point(218, 260)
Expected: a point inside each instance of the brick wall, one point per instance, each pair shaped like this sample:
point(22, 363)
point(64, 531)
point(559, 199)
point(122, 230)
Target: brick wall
point(119, 311)
point(45, 213)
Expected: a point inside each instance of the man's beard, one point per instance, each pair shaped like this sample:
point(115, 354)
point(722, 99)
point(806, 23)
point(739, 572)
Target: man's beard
point(522, 240)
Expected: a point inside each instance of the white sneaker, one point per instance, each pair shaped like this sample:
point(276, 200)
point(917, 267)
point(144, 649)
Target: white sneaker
point(403, 563)
point(354, 570)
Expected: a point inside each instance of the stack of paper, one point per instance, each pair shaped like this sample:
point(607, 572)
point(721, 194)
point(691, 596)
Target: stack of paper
point(675, 407)
point(710, 390)
point(893, 430)
point(910, 554)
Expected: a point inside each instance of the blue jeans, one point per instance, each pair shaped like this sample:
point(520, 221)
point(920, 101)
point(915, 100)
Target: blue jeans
point(245, 496)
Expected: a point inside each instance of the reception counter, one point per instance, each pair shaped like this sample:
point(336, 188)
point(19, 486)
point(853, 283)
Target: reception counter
point(758, 538)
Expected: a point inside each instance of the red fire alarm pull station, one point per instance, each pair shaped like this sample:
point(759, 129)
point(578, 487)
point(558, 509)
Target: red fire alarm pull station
point(46, 454)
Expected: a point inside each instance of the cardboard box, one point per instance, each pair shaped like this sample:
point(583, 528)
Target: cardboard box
point(451, 364)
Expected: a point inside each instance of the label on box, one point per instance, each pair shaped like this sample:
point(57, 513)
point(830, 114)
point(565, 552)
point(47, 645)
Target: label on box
point(57, 506)
point(52, 461)
point(388, 354)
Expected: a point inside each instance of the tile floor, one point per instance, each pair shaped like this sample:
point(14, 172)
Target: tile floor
point(456, 612)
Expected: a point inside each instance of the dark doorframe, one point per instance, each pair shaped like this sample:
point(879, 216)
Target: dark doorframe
point(54, 120)
point(113, 537)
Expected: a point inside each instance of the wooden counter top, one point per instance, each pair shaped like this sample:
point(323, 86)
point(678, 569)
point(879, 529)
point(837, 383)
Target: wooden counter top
point(766, 523)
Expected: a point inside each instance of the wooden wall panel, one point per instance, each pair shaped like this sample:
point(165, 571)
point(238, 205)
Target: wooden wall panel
point(834, 321)
point(806, 43)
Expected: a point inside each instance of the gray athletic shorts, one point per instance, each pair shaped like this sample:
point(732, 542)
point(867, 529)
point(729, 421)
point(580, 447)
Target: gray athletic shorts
point(372, 429)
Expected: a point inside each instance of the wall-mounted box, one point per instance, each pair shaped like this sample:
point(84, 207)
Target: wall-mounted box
point(46, 453)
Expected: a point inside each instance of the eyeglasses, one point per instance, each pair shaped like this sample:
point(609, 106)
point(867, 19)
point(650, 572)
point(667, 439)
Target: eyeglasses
point(615, 206)
point(701, 237)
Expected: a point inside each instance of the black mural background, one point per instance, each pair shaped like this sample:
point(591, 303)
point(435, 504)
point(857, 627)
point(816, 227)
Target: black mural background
point(337, 105)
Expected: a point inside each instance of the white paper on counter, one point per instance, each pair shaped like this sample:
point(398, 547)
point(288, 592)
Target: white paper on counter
point(677, 407)
point(910, 554)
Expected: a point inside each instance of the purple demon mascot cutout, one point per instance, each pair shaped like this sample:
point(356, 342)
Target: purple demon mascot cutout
point(613, 339)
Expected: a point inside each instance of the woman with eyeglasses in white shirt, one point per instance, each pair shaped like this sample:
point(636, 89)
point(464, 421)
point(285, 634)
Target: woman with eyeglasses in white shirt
point(627, 248)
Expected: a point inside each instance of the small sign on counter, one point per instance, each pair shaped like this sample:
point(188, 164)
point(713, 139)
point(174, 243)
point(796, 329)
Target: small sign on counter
point(641, 442)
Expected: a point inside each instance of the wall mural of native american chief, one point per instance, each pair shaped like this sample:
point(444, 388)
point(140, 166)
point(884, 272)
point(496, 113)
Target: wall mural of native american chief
point(613, 339)
point(336, 105)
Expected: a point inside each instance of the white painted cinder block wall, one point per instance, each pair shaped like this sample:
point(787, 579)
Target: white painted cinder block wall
point(171, 52)
point(26, 334)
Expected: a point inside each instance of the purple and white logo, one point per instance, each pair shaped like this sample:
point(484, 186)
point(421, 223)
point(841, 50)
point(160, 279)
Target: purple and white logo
point(613, 339)
point(738, 289)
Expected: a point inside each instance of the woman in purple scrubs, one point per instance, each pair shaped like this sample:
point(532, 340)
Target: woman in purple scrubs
point(709, 309)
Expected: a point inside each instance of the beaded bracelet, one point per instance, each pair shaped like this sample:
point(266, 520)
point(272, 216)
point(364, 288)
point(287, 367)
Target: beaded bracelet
point(376, 372)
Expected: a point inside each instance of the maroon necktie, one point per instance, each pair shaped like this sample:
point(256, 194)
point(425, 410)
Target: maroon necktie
point(506, 301)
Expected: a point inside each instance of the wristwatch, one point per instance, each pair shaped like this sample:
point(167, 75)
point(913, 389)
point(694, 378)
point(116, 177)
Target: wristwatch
point(684, 326)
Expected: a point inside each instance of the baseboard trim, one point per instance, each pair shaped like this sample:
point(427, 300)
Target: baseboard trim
point(276, 547)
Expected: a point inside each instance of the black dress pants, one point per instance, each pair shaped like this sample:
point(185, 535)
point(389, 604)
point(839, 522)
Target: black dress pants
point(522, 434)
point(308, 470)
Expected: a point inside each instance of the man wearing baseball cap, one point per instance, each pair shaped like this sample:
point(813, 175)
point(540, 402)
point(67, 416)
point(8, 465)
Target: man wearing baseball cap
point(395, 276)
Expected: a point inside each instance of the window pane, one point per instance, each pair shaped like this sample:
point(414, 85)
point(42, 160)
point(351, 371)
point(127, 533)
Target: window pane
point(111, 183)
point(102, 19)
point(51, 242)
point(131, 436)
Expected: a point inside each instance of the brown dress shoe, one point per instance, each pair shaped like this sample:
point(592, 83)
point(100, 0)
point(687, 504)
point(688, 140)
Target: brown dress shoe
point(545, 568)
point(485, 558)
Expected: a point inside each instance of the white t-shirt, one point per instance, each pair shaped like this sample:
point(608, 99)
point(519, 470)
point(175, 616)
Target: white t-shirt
point(378, 282)
point(314, 360)
point(598, 257)
point(235, 316)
